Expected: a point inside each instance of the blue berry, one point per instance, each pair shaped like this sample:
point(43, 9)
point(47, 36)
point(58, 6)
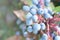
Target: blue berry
point(29, 29)
point(47, 16)
point(50, 11)
point(38, 5)
point(43, 26)
point(26, 8)
point(53, 35)
point(57, 38)
point(35, 2)
point(28, 16)
point(35, 18)
point(36, 27)
point(47, 4)
point(35, 32)
point(25, 34)
point(45, 10)
point(47, 1)
point(33, 6)
point(33, 11)
point(29, 22)
point(40, 11)
point(44, 37)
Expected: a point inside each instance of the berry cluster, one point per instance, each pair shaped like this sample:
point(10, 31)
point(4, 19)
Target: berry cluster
point(40, 19)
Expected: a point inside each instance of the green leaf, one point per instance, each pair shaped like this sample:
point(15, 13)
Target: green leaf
point(57, 9)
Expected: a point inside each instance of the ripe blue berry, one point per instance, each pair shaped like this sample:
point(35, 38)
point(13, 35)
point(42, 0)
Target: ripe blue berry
point(28, 16)
point(53, 35)
point(35, 32)
point(36, 27)
point(29, 22)
point(25, 34)
point(45, 10)
point(44, 37)
point(35, 2)
point(47, 4)
point(40, 11)
point(33, 6)
point(33, 11)
point(35, 18)
point(47, 1)
point(38, 5)
point(43, 26)
point(50, 11)
point(26, 8)
point(47, 16)
point(57, 38)
point(29, 29)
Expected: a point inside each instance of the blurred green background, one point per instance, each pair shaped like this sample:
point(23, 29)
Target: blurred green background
point(7, 18)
